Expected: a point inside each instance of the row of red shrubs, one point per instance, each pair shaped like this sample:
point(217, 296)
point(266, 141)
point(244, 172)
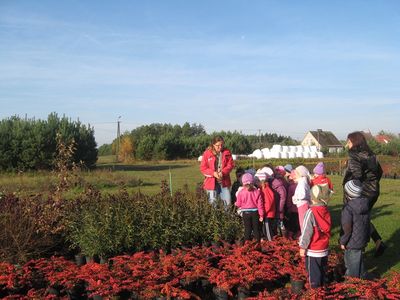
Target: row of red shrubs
point(188, 273)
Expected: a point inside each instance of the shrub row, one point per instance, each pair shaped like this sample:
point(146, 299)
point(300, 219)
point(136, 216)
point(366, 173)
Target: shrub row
point(262, 271)
point(106, 225)
point(110, 224)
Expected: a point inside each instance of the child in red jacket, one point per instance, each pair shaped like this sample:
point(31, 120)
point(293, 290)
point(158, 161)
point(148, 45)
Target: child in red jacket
point(314, 239)
point(320, 176)
point(269, 201)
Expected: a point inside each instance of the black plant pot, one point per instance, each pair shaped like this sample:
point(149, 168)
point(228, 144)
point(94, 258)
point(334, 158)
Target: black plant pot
point(103, 260)
point(53, 291)
point(80, 260)
point(220, 294)
point(297, 285)
point(134, 295)
point(124, 295)
point(77, 292)
point(243, 293)
point(92, 259)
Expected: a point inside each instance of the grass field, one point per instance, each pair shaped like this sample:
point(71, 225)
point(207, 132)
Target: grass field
point(147, 178)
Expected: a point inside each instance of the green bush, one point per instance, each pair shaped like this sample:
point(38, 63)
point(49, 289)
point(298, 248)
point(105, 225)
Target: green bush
point(110, 224)
point(113, 224)
point(29, 144)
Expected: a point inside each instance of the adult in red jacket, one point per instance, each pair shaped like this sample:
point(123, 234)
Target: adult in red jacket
point(216, 165)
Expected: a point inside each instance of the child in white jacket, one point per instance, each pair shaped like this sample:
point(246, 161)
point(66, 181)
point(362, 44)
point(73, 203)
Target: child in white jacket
point(301, 197)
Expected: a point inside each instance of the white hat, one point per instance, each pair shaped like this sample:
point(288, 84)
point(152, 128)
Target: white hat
point(267, 171)
point(262, 176)
point(302, 171)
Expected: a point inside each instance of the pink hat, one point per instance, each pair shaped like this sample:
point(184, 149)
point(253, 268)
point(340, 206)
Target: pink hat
point(247, 178)
point(280, 170)
point(319, 168)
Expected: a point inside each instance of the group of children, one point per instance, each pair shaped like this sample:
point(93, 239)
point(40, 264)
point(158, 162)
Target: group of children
point(292, 202)
point(284, 192)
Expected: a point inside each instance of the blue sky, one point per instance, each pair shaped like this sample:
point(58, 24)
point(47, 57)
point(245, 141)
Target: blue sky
point(276, 66)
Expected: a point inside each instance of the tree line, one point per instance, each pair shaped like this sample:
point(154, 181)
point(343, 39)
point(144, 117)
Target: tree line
point(166, 142)
point(30, 144)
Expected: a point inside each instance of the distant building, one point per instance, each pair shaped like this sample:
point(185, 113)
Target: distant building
point(383, 138)
point(380, 138)
point(323, 139)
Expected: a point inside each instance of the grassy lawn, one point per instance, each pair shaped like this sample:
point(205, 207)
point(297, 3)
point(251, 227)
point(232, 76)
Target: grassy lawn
point(146, 177)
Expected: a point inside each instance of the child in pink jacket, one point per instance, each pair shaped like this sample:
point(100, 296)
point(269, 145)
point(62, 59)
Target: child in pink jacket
point(249, 201)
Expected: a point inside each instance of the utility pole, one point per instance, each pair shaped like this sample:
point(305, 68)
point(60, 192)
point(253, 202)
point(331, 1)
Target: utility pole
point(118, 136)
point(319, 145)
point(259, 138)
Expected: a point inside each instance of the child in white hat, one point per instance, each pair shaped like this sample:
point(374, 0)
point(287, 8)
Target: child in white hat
point(301, 197)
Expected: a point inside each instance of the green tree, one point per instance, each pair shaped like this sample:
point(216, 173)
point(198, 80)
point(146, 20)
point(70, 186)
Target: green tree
point(105, 149)
point(31, 144)
point(168, 147)
point(144, 149)
point(238, 143)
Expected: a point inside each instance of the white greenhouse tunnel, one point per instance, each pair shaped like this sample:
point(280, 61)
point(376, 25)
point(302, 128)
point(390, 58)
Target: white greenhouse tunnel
point(281, 152)
point(287, 152)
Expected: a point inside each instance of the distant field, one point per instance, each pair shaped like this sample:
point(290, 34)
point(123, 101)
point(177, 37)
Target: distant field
point(146, 177)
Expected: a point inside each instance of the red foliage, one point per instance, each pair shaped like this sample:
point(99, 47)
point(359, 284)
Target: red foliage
point(243, 267)
point(364, 289)
point(8, 276)
point(99, 280)
point(157, 274)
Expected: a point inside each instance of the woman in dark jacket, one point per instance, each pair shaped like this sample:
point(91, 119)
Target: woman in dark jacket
point(364, 166)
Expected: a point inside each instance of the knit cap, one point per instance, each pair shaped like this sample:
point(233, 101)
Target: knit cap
point(267, 171)
point(302, 171)
point(250, 171)
point(320, 193)
point(288, 168)
point(247, 178)
point(353, 188)
point(280, 170)
point(319, 168)
point(262, 176)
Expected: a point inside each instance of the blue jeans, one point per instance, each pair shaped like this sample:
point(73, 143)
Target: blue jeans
point(316, 269)
point(224, 194)
point(353, 259)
